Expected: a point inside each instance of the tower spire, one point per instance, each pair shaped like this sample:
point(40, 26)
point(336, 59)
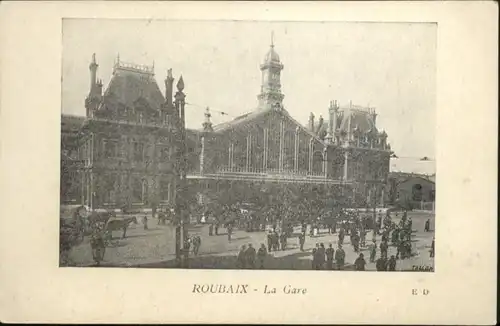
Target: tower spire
point(272, 39)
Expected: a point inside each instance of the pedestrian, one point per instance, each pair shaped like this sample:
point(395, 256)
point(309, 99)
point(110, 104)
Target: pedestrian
point(329, 257)
point(250, 256)
point(283, 240)
point(392, 264)
point(341, 236)
point(97, 245)
point(276, 241)
point(395, 236)
point(427, 225)
point(321, 256)
point(400, 250)
point(145, 222)
point(217, 228)
point(355, 242)
point(196, 244)
point(362, 235)
point(241, 263)
point(360, 263)
point(270, 240)
point(314, 259)
point(261, 255)
point(383, 249)
point(302, 240)
point(373, 251)
point(229, 232)
point(432, 248)
point(210, 229)
point(340, 257)
point(381, 264)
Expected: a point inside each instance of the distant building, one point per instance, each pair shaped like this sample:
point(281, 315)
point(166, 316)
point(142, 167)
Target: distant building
point(124, 144)
point(252, 157)
point(409, 190)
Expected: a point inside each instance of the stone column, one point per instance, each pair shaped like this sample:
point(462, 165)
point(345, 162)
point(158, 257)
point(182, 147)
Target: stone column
point(346, 169)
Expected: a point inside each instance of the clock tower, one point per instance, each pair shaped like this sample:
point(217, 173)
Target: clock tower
point(270, 91)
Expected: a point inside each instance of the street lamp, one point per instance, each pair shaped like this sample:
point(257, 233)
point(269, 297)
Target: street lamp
point(181, 230)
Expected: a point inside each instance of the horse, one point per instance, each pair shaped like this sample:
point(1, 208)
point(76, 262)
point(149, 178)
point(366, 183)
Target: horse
point(100, 217)
point(114, 224)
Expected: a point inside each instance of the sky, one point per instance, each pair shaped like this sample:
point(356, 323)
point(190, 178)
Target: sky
point(388, 66)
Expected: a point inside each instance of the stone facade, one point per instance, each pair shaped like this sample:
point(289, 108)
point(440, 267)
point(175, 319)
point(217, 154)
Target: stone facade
point(128, 140)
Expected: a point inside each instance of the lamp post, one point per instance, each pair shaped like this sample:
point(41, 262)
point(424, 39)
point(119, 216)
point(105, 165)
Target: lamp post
point(181, 229)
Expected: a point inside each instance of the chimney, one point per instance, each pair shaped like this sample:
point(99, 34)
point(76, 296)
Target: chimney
point(93, 74)
point(99, 88)
point(374, 116)
point(320, 124)
point(169, 83)
point(311, 122)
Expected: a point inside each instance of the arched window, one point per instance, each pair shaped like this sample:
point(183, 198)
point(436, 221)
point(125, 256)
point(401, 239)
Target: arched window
point(417, 192)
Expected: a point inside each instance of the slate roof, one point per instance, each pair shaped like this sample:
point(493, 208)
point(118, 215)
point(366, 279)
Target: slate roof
point(359, 118)
point(126, 87)
point(256, 115)
point(244, 118)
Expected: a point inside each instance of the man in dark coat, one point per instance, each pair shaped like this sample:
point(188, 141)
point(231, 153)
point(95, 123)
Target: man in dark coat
point(283, 240)
point(427, 225)
point(360, 263)
point(321, 256)
point(210, 229)
point(392, 264)
point(270, 241)
point(340, 257)
point(250, 256)
point(302, 240)
point(341, 236)
point(373, 251)
point(329, 257)
point(261, 255)
point(241, 261)
point(383, 249)
point(381, 264)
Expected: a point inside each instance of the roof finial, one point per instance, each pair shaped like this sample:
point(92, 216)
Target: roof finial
point(272, 39)
point(93, 58)
point(118, 58)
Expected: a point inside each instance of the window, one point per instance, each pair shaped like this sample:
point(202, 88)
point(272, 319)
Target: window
point(144, 191)
point(164, 152)
point(138, 151)
point(164, 190)
point(110, 148)
point(140, 190)
point(108, 190)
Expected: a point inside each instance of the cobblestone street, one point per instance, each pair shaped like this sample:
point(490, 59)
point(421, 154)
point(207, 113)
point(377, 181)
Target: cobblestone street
point(155, 248)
